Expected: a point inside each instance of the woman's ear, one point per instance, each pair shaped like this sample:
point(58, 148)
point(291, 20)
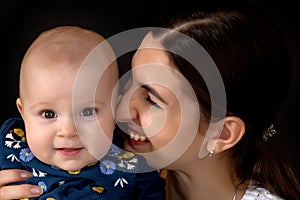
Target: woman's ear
point(20, 106)
point(233, 130)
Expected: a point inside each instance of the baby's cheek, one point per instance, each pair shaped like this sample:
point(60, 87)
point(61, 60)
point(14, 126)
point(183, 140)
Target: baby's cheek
point(42, 150)
point(107, 126)
point(106, 122)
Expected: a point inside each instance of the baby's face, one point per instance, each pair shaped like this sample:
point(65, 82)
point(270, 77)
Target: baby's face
point(59, 132)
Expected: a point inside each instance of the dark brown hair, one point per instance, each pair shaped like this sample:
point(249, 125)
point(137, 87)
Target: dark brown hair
point(253, 60)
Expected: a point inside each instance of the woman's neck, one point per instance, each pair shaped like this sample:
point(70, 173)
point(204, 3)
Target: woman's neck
point(208, 181)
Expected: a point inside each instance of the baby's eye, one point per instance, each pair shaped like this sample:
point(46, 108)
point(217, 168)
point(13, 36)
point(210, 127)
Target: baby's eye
point(88, 112)
point(48, 114)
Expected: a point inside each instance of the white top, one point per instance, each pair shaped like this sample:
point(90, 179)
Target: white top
point(254, 192)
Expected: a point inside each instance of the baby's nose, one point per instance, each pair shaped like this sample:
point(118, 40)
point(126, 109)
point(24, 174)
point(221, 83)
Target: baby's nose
point(67, 128)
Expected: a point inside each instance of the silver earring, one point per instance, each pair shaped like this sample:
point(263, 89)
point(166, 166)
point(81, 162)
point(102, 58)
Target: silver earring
point(211, 153)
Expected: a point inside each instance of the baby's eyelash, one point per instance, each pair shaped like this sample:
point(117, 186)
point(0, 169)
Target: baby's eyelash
point(88, 111)
point(48, 114)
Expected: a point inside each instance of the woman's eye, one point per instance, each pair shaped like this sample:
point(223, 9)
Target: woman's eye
point(48, 114)
point(152, 103)
point(88, 112)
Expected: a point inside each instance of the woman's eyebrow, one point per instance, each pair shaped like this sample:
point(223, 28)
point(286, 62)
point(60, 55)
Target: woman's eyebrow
point(153, 92)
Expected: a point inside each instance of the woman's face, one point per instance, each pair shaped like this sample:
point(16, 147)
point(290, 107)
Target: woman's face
point(159, 108)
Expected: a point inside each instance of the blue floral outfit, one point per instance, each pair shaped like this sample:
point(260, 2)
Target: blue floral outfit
point(111, 178)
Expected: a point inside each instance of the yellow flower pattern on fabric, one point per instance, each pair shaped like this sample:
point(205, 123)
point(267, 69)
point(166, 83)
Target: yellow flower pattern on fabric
point(74, 172)
point(20, 133)
point(92, 164)
point(127, 160)
point(128, 155)
point(98, 189)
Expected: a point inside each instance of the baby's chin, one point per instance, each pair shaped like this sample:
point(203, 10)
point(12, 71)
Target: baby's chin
point(74, 168)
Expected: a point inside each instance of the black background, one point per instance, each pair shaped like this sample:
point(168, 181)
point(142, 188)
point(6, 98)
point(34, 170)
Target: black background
point(22, 21)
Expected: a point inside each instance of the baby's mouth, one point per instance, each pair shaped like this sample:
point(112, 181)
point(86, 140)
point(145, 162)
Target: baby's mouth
point(69, 151)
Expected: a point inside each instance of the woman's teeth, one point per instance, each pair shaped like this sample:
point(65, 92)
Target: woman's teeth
point(137, 137)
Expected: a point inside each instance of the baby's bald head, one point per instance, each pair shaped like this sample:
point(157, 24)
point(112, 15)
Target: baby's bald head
point(64, 44)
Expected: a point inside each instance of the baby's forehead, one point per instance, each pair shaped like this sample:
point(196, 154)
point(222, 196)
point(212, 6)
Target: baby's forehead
point(62, 45)
point(60, 50)
point(71, 34)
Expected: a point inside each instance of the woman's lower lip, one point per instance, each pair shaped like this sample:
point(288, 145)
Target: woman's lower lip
point(137, 142)
point(69, 151)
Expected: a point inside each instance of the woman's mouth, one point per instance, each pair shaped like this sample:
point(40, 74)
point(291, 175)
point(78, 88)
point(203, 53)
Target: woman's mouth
point(136, 139)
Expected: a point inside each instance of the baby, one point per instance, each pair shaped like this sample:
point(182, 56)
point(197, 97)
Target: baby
point(67, 145)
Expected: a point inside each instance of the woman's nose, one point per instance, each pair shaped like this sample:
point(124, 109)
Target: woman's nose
point(67, 127)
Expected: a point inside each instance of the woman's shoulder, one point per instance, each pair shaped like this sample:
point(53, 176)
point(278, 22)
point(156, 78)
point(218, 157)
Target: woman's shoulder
point(255, 192)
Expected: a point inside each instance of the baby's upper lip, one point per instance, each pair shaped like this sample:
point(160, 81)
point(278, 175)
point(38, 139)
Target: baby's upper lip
point(69, 147)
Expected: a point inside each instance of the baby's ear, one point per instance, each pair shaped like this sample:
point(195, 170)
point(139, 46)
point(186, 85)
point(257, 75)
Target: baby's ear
point(233, 130)
point(20, 106)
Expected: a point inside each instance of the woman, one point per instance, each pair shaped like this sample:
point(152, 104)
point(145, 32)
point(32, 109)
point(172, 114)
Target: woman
point(232, 160)
point(228, 155)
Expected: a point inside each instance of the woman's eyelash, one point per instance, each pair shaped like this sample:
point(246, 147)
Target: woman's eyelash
point(152, 103)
